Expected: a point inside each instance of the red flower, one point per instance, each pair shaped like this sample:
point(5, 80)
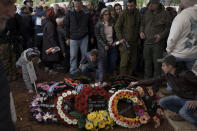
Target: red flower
point(136, 108)
point(135, 93)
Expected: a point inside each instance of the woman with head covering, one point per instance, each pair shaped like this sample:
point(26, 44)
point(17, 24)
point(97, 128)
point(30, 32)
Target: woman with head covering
point(50, 40)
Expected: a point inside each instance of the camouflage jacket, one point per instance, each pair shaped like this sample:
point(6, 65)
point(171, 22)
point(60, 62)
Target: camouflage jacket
point(127, 25)
point(153, 24)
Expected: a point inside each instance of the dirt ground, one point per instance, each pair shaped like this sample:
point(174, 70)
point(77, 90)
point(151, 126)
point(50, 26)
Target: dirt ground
point(25, 123)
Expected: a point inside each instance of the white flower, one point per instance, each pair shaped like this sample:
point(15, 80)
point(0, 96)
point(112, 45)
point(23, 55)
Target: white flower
point(60, 98)
point(74, 92)
point(69, 92)
point(58, 107)
point(69, 122)
point(64, 94)
point(38, 116)
point(75, 122)
point(65, 119)
point(59, 102)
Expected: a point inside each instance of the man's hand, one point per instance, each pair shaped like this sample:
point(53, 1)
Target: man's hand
point(142, 35)
point(132, 84)
point(43, 17)
point(64, 54)
point(192, 104)
point(157, 38)
point(122, 41)
point(106, 48)
point(114, 44)
point(68, 42)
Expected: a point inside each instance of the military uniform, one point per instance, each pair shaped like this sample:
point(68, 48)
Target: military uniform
point(127, 27)
point(151, 25)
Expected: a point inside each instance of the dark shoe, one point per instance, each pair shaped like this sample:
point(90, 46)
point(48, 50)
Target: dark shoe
point(166, 92)
point(176, 118)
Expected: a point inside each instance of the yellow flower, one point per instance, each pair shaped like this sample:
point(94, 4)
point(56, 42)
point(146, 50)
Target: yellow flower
point(88, 125)
point(130, 97)
point(104, 113)
point(91, 116)
point(95, 122)
point(109, 120)
point(101, 124)
point(99, 117)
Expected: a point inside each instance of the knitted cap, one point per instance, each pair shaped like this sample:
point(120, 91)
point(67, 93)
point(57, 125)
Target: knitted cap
point(188, 3)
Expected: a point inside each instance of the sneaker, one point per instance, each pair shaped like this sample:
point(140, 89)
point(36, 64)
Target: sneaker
point(166, 92)
point(176, 118)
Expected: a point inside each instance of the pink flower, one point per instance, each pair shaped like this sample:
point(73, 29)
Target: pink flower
point(141, 112)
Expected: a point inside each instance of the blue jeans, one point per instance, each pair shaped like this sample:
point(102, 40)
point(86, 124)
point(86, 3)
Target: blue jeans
point(179, 106)
point(87, 69)
point(74, 48)
point(111, 60)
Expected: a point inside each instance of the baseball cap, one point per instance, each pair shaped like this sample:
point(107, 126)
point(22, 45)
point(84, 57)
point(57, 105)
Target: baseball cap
point(169, 59)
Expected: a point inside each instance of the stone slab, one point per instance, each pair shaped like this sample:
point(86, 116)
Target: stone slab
point(179, 125)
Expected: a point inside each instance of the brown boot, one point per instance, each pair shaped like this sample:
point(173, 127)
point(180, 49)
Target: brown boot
point(166, 92)
point(176, 118)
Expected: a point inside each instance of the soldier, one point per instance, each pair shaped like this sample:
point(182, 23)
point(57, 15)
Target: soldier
point(127, 32)
point(154, 29)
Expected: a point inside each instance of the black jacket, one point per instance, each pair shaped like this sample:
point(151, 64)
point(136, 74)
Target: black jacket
point(61, 38)
point(50, 39)
point(183, 84)
point(77, 25)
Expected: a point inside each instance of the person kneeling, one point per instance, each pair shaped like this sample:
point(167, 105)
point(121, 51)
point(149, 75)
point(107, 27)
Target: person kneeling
point(92, 62)
point(184, 86)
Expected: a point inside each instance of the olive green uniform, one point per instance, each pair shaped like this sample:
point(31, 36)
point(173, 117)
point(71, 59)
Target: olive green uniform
point(127, 27)
point(151, 25)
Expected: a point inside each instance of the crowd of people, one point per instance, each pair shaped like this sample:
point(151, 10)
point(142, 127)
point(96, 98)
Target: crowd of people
point(111, 40)
point(116, 33)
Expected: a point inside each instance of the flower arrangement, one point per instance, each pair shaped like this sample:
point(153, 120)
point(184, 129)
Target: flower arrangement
point(119, 83)
point(72, 83)
point(36, 111)
point(98, 120)
point(81, 101)
point(62, 113)
point(138, 107)
point(51, 86)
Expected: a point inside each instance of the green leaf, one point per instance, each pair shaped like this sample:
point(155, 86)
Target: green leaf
point(81, 123)
point(75, 114)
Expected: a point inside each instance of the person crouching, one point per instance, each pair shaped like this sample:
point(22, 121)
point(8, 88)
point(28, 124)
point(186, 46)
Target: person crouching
point(92, 62)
